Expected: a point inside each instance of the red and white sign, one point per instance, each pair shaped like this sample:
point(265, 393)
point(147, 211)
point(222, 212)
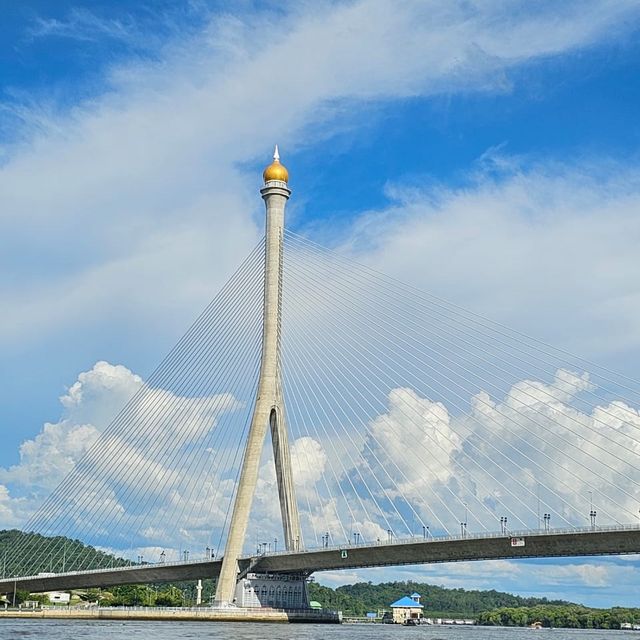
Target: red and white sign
point(517, 542)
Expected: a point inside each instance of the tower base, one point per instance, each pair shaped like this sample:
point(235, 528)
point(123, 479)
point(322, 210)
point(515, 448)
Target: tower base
point(259, 590)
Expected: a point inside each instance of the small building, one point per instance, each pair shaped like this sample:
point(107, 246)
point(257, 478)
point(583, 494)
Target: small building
point(30, 604)
point(407, 608)
point(58, 597)
point(276, 591)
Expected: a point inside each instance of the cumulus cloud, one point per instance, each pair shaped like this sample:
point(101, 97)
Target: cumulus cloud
point(89, 406)
point(497, 460)
point(116, 470)
point(416, 420)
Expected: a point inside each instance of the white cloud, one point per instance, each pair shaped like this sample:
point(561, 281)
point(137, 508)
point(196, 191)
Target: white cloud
point(137, 181)
point(89, 406)
point(536, 247)
point(496, 460)
point(595, 583)
point(114, 486)
point(83, 25)
point(423, 423)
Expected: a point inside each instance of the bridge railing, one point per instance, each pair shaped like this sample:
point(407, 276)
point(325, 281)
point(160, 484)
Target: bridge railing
point(337, 547)
point(126, 567)
point(467, 536)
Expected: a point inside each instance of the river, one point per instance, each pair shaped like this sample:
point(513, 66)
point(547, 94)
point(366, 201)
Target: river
point(81, 630)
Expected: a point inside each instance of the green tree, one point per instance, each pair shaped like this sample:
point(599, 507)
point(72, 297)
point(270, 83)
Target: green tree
point(171, 597)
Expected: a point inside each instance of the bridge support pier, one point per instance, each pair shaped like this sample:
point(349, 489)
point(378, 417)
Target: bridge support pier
point(269, 406)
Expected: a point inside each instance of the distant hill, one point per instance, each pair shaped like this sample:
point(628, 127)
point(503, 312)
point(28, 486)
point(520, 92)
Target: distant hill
point(30, 553)
point(359, 598)
point(493, 608)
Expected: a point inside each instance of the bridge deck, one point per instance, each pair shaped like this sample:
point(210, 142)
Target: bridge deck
point(536, 544)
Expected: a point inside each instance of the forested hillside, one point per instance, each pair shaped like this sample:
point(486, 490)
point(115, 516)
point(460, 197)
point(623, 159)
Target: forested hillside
point(364, 596)
point(18, 550)
point(570, 616)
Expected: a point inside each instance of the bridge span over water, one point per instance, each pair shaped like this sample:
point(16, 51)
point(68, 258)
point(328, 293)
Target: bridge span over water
point(514, 545)
point(388, 410)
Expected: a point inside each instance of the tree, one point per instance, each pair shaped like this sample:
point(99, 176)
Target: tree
point(171, 597)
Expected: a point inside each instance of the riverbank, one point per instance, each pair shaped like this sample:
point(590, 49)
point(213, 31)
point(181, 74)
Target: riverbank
point(204, 614)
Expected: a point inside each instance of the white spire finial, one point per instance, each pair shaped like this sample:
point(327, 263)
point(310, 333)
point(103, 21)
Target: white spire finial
point(276, 155)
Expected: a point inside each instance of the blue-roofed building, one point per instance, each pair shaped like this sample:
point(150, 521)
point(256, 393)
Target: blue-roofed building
point(407, 608)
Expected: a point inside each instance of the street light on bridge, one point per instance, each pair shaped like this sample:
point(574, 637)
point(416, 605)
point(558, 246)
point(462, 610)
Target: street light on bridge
point(592, 512)
point(547, 519)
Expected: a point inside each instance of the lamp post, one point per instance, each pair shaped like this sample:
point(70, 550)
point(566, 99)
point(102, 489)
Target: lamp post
point(463, 525)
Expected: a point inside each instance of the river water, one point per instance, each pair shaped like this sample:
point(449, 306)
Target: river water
point(82, 630)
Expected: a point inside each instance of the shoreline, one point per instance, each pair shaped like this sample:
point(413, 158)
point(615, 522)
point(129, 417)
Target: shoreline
point(192, 615)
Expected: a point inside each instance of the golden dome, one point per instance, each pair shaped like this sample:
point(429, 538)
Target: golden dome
point(276, 171)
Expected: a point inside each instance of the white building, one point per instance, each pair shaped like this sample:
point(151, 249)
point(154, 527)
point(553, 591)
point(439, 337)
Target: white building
point(58, 597)
point(277, 591)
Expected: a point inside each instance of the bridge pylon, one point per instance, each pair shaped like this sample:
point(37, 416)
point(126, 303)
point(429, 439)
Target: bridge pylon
point(268, 410)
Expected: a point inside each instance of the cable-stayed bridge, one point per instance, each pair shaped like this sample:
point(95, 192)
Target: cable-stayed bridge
point(538, 544)
point(404, 430)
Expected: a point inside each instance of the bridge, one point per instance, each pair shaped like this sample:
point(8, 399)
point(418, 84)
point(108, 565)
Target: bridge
point(551, 544)
point(404, 429)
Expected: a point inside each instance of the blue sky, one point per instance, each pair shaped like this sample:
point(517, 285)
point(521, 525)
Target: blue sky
point(131, 134)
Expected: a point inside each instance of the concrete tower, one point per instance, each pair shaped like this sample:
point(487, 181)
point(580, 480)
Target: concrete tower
point(268, 411)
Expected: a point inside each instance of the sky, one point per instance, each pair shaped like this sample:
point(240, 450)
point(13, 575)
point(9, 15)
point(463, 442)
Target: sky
point(483, 151)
